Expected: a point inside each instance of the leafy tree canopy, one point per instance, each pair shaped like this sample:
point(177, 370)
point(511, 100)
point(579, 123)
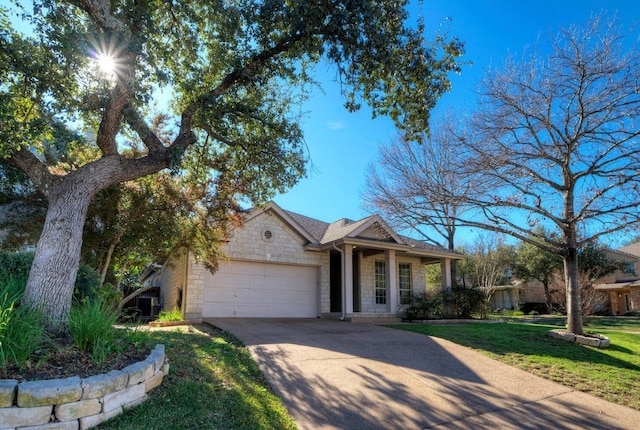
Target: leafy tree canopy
point(79, 94)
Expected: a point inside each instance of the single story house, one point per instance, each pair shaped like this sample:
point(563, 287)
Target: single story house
point(281, 264)
point(623, 286)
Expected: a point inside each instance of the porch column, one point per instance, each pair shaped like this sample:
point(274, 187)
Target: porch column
point(391, 281)
point(348, 278)
point(445, 271)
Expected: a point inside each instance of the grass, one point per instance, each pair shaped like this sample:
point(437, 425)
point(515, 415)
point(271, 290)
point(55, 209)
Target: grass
point(612, 373)
point(171, 315)
point(213, 383)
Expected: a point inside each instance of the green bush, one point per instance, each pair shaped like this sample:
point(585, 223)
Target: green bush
point(457, 302)
point(15, 265)
point(87, 284)
point(108, 295)
point(462, 302)
point(424, 305)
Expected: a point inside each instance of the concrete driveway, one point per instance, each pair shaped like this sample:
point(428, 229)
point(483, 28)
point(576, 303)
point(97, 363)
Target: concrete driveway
point(338, 375)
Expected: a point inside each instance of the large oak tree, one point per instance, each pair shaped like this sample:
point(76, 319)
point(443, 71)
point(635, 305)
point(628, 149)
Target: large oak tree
point(557, 145)
point(235, 71)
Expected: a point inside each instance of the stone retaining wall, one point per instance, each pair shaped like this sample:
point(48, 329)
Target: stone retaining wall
point(594, 340)
point(79, 403)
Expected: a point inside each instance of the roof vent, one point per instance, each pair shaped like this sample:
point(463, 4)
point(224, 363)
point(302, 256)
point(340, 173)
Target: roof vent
point(267, 235)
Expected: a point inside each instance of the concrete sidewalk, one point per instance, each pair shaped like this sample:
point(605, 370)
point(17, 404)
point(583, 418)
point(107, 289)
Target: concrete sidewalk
point(337, 375)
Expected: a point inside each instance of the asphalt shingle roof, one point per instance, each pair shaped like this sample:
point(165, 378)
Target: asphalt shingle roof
point(324, 232)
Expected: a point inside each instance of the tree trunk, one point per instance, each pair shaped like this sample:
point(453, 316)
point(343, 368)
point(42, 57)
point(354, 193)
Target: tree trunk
point(53, 273)
point(454, 274)
point(110, 251)
point(574, 311)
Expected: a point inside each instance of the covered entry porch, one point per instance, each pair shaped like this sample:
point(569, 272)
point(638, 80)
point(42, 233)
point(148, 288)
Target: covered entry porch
point(374, 281)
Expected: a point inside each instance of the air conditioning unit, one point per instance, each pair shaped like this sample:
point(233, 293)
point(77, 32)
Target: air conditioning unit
point(146, 305)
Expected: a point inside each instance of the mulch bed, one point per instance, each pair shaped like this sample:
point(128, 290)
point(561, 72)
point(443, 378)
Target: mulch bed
point(62, 359)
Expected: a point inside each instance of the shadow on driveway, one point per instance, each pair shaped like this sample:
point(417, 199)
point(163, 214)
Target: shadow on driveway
point(337, 375)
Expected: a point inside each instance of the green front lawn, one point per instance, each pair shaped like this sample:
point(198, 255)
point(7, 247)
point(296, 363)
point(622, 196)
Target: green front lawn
point(213, 384)
point(612, 373)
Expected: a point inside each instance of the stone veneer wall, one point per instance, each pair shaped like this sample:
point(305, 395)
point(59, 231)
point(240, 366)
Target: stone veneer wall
point(249, 244)
point(79, 403)
point(634, 296)
point(172, 279)
point(367, 281)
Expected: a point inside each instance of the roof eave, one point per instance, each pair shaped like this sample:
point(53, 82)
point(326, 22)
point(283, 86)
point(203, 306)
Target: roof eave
point(386, 245)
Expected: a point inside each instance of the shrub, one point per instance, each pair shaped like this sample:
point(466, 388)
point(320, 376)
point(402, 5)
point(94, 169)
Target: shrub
point(87, 284)
point(528, 307)
point(424, 305)
point(457, 302)
point(15, 265)
point(109, 295)
point(462, 302)
point(172, 315)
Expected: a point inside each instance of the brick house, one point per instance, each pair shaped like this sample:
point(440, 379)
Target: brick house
point(620, 290)
point(283, 264)
point(623, 286)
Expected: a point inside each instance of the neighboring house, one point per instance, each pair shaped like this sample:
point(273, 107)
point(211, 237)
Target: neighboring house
point(623, 286)
point(506, 296)
point(282, 264)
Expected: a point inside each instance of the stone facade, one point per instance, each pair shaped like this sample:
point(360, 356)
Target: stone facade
point(172, 279)
point(288, 243)
point(367, 283)
point(249, 244)
point(75, 403)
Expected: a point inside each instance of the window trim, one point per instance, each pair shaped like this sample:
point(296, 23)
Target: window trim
point(404, 299)
point(380, 282)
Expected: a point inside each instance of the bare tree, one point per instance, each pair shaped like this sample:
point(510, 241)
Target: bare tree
point(557, 144)
point(487, 265)
point(408, 181)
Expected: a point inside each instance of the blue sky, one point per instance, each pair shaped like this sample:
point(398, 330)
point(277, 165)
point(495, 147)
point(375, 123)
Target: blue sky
point(342, 144)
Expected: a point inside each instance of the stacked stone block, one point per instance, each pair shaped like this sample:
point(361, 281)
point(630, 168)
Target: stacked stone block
point(79, 403)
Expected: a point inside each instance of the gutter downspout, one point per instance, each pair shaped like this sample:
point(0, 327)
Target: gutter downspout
point(342, 287)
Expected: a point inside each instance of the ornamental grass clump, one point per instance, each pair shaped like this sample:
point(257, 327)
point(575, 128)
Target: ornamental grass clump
point(91, 326)
point(22, 332)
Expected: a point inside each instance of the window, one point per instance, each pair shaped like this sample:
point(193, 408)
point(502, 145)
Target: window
point(381, 283)
point(404, 283)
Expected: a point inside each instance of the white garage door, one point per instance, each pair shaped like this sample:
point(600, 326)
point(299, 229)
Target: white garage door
point(258, 290)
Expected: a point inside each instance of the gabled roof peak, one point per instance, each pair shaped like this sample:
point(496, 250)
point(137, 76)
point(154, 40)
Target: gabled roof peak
point(372, 228)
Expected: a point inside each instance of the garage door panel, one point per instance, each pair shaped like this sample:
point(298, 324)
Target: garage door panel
point(261, 290)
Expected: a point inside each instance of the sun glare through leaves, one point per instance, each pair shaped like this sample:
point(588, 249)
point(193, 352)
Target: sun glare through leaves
point(106, 55)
